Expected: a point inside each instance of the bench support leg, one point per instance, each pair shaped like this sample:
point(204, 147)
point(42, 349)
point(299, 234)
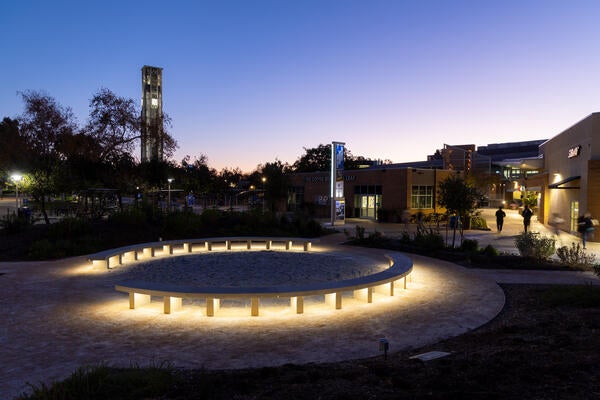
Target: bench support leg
point(334, 299)
point(100, 264)
point(365, 294)
point(288, 244)
point(149, 252)
point(116, 260)
point(307, 246)
point(254, 306)
point(228, 244)
point(172, 304)
point(269, 244)
point(138, 299)
point(210, 306)
point(297, 304)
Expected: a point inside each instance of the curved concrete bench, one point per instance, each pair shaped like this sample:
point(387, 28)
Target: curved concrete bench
point(113, 257)
point(400, 268)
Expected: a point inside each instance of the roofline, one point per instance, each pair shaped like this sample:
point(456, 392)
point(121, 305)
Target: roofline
point(564, 130)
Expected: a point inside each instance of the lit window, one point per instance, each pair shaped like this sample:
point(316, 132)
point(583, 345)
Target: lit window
point(154, 103)
point(422, 196)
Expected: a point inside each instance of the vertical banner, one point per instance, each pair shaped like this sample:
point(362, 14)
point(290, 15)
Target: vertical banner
point(338, 204)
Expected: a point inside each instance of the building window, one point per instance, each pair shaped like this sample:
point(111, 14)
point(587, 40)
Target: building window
point(295, 198)
point(422, 196)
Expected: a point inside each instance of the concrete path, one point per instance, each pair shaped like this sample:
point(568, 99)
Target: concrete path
point(504, 242)
point(58, 316)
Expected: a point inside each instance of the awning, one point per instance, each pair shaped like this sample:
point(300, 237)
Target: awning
point(559, 185)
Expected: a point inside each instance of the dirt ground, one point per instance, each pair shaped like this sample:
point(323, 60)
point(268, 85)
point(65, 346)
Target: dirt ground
point(537, 348)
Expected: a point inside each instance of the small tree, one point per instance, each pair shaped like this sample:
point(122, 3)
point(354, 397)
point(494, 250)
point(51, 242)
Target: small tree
point(458, 197)
point(276, 183)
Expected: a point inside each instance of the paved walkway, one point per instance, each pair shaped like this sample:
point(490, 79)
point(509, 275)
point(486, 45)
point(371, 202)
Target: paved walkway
point(57, 316)
point(60, 315)
point(504, 242)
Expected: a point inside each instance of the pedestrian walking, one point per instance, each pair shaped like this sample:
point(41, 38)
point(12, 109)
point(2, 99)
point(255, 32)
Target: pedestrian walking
point(527, 213)
point(405, 218)
point(585, 227)
point(555, 222)
point(500, 214)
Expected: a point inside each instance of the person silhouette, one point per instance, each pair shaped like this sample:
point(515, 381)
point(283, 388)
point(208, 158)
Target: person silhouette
point(527, 213)
point(500, 214)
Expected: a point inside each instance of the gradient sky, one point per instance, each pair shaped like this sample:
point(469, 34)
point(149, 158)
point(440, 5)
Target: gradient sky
point(247, 82)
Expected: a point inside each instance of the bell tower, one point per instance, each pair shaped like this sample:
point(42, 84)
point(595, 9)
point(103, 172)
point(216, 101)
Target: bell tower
point(152, 114)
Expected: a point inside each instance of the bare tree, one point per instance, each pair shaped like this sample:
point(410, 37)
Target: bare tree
point(114, 124)
point(44, 124)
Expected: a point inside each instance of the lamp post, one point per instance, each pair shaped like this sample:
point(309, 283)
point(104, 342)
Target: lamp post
point(17, 178)
point(252, 200)
point(169, 194)
point(263, 179)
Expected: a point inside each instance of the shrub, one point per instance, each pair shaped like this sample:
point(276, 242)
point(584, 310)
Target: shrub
point(469, 245)
point(129, 217)
point(45, 249)
point(360, 232)
point(104, 382)
point(478, 222)
point(575, 256)
point(490, 250)
point(385, 215)
point(534, 245)
point(69, 228)
point(429, 240)
point(12, 224)
point(375, 237)
point(405, 238)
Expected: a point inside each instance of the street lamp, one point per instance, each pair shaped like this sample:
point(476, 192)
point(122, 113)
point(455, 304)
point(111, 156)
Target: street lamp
point(169, 194)
point(17, 178)
point(263, 179)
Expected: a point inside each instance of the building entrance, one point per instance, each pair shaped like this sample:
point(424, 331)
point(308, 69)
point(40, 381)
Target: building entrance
point(574, 215)
point(369, 204)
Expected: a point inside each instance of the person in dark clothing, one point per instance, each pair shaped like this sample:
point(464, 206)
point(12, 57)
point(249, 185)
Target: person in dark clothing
point(500, 214)
point(527, 213)
point(585, 227)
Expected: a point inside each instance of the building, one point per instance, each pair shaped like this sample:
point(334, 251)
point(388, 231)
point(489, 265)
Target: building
point(501, 171)
point(371, 192)
point(152, 114)
point(569, 184)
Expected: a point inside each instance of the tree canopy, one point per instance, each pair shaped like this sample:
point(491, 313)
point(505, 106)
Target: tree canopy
point(319, 159)
point(458, 197)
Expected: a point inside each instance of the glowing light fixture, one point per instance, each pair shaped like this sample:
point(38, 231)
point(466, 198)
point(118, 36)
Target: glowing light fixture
point(17, 178)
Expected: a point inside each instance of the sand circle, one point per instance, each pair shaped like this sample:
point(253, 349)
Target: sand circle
point(252, 268)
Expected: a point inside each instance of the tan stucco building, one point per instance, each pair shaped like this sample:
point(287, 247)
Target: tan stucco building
point(570, 183)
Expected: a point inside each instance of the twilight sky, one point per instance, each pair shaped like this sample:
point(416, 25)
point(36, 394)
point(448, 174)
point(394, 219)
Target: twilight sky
point(247, 82)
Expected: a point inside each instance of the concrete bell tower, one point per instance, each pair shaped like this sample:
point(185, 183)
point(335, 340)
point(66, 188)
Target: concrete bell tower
point(152, 114)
